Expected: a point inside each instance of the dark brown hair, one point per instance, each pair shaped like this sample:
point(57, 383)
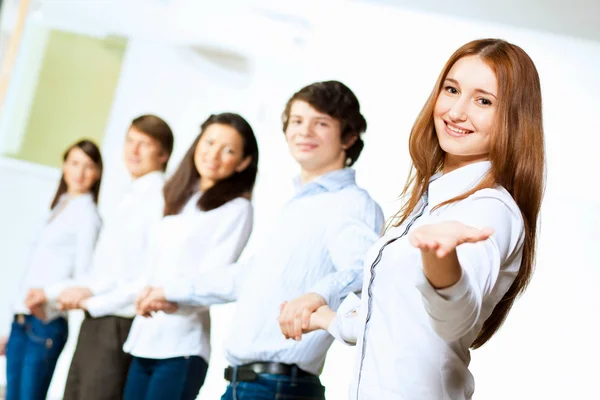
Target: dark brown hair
point(184, 182)
point(93, 152)
point(339, 102)
point(158, 129)
point(516, 153)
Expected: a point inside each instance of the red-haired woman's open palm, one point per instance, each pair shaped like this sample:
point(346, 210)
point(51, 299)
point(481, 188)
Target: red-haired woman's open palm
point(444, 237)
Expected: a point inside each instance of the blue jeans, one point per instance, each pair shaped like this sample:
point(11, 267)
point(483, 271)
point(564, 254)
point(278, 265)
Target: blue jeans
point(31, 354)
point(271, 387)
point(165, 379)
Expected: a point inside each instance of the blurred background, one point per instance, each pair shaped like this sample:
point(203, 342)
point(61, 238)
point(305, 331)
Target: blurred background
point(85, 68)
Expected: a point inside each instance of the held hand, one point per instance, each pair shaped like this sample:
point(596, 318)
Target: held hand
point(71, 298)
point(153, 300)
point(39, 312)
point(3, 343)
point(139, 299)
point(294, 316)
point(442, 238)
point(164, 306)
point(82, 305)
point(35, 297)
point(320, 319)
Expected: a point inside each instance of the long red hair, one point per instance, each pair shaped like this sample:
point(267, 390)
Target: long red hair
point(516, 153)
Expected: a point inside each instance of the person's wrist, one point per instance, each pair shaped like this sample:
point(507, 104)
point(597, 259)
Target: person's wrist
point(328, 318)
point(319, 299)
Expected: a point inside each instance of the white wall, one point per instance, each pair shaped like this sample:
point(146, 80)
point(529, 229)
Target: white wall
point(391, 57)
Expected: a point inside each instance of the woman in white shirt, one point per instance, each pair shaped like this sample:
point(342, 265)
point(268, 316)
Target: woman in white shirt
point(207, 223)
point(446, 273)
point(62, 252)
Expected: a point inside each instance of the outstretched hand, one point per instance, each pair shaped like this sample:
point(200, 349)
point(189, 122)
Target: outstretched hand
point(442, 238)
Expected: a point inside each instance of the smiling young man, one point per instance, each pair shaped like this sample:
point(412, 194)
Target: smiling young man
point(99, 366)
point(313, 256)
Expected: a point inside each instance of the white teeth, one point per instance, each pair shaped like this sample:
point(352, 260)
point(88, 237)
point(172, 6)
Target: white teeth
point(458, 130)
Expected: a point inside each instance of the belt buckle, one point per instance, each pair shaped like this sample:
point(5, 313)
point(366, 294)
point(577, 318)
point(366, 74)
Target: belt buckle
point(20, 319)
point(242, 375)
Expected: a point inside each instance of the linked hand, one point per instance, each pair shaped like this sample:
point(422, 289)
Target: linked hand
point(3, 343)
point(294, 316)
point(71, 298)
point(35, 297)
point(153, 299)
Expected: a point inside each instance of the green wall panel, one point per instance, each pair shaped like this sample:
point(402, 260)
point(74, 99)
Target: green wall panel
point(74, 95)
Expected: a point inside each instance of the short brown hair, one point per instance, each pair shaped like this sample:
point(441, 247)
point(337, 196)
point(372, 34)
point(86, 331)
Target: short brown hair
point(158, 129)
point(339, 102)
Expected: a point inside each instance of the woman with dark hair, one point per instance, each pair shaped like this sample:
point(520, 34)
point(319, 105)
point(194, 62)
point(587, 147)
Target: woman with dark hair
point(445, 275)
point(62, 253)
point(207, 223)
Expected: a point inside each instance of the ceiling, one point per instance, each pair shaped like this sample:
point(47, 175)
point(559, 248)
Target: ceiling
point(241, 25)
point(578, 18)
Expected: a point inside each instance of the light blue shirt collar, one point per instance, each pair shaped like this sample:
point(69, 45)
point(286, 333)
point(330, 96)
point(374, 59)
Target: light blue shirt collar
point(330, 182)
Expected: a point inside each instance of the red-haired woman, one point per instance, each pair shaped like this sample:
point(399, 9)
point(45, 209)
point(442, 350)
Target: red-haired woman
point(446, 273)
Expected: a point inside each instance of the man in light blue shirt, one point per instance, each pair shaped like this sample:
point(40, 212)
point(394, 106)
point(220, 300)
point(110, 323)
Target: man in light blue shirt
point(312, 257)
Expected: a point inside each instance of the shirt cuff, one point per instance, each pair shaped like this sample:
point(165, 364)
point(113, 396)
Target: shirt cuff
point(450, 293)
point(96, 307)
point(53, 292)
point(178, 293)
point(344, 325)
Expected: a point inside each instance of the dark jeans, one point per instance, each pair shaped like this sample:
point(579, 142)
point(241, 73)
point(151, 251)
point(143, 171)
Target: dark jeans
point(99, 366)
point(167, 379)
point(271, 387)
point(31, 354)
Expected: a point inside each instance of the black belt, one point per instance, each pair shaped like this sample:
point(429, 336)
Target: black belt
point(250, 372)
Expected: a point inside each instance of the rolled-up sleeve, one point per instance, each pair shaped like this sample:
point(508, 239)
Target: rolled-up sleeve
point(455, 310)
point(346, 324)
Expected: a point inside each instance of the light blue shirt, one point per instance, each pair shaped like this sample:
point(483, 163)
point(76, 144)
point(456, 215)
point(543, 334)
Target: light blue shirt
point(317, 245)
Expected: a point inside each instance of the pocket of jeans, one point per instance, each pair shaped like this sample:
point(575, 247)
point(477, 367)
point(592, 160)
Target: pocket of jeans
point(47, 336)
point(301, 391)
point(34, 336)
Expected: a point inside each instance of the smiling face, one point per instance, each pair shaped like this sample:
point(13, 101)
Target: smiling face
point(219, 154)
point(143, 154)
point(315, 140)
point(80, 172)
point(465, 112)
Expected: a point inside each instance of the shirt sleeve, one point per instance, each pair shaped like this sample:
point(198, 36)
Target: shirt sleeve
point(88, 227)
point(124, 294)
point(346, 324)
point(111, 291)
point(109, 302)
point(102, 277)
point(454, 311)
point(348, 244)
point(219, 278)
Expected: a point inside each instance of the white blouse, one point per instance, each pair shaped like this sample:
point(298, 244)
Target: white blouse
point(63, 250)
point(183, 246)
point(413, 340)
point(121, 251)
